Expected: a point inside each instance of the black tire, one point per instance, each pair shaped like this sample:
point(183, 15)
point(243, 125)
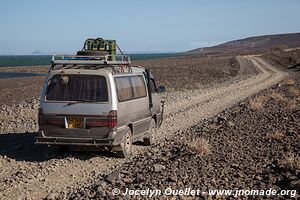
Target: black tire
point(126, 145)
point(149, 138)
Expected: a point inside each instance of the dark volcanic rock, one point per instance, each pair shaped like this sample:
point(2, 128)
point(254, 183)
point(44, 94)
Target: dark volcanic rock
point(113, 176)
point(249, 148)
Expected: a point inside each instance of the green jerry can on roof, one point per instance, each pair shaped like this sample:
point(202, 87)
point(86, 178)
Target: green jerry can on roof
point(98, 47)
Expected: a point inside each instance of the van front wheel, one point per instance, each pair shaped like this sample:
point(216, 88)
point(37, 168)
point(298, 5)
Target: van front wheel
point(148, 139)
point(126, 145)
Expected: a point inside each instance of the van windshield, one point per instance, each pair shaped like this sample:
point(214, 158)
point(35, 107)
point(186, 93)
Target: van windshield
point(89, 88)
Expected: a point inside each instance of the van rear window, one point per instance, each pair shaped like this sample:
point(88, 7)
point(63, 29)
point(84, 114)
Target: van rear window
point(77, 88)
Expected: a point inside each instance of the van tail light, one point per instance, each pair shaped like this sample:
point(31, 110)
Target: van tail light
point(57, 121)
point(95, 122)
point(41, 118)
point(112, 119)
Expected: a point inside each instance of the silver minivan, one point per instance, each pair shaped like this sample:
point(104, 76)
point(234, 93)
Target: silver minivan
point(99, 102)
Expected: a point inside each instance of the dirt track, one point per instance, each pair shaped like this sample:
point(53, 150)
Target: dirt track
point(27, 172)
point(206, 103)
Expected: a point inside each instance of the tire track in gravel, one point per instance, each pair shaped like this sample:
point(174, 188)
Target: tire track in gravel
point(207, 103)
point(37, 179)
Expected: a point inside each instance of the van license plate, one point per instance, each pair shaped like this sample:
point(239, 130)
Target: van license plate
point(75, 122)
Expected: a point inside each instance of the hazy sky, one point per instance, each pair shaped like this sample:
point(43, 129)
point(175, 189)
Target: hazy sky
point(165, 25)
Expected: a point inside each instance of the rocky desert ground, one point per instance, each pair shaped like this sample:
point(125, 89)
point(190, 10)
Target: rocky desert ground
point(231, 122)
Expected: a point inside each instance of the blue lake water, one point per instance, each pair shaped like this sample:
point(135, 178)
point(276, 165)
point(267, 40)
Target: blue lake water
point(18, 74)
point(35, 60)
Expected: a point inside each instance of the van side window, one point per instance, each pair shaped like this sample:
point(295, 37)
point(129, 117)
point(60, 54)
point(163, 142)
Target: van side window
point(152, 86)
point(124, 88)
point(139, 87)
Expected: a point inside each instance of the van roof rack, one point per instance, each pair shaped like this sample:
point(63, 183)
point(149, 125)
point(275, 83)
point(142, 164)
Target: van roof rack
point(118, 63)
point(91, 60)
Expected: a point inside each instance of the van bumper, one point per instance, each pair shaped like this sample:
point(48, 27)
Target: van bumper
point(74, 141)
point(108, 142)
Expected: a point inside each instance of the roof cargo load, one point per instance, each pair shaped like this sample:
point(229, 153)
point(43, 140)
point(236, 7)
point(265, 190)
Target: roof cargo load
point(96, 53)
point(98, 47)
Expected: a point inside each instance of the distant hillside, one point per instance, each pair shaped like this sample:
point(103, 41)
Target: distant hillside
point(253, 44)
point(36, 52)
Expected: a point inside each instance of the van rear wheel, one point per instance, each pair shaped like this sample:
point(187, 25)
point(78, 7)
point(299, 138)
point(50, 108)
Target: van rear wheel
point(126, 145)
point(149, 139)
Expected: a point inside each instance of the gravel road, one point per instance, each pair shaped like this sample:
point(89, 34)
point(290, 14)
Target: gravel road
point(201, 104)
point(31, 171)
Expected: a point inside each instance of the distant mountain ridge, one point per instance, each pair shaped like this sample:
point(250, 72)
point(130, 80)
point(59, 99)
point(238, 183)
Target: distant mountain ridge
point(36, 52)
point(253, 44)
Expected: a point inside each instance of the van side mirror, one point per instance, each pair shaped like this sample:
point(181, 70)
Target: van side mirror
point(161, 89)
